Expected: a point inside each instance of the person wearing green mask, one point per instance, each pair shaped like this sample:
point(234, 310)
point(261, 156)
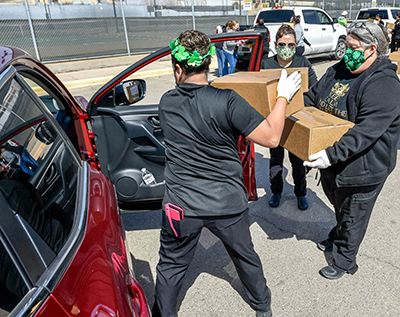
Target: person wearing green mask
point(285, 45)
point(364, 89)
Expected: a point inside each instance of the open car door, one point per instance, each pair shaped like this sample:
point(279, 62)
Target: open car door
point(128, 136)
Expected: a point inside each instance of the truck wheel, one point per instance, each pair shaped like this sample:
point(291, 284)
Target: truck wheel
point(339, 50)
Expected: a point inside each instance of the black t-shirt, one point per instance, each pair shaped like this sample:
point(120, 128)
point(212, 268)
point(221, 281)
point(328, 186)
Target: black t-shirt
point(298, 61)
point(201, 125)
point(334, 99)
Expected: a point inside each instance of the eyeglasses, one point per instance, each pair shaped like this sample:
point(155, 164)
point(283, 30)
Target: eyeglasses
point(360, 25)
point(291, 45)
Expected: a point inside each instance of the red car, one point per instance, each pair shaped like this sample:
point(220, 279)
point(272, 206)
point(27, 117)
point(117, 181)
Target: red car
point(64, 166)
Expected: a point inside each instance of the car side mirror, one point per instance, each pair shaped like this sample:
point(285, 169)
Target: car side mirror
point(129, 92)
point(335, 20)
point(45, 133)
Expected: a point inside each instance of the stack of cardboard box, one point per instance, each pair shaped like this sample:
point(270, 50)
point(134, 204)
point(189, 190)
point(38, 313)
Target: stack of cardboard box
point(307, 129)
point(395, 58)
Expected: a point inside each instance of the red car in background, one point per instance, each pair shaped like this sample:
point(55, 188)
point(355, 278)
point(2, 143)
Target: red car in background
point(65, 164)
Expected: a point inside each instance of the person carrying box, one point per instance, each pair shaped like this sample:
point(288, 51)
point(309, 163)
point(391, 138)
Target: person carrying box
point(355, 168)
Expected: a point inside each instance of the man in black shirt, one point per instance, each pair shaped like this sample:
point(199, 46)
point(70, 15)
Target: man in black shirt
point(203, 173)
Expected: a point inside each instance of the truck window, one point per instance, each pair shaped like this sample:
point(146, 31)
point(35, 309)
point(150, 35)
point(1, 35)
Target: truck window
point(323, 18)
point(276, 16)
point(394, 12)
point(310, 17)
point(370, 14)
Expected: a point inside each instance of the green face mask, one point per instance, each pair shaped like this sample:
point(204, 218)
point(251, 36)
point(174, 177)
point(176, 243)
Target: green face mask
point(285, 53)
point(354, 59)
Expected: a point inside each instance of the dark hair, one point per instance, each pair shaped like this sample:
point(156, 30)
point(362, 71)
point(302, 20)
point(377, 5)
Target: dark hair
point(285, 30)
point(260, 21)
point(398, 14)
point(194, 40)
point(296, 19)
point(378, 16)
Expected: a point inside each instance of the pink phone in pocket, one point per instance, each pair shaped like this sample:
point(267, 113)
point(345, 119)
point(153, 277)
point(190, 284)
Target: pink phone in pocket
point(173, 213)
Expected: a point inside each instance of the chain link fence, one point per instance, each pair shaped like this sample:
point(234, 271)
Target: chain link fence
point(62, 30)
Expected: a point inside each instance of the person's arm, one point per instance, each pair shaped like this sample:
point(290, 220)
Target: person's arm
point(268, 133)
point(312, 77)
point(374, 118)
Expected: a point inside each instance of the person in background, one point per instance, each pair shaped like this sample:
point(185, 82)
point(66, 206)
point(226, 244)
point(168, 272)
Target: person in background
point(229, 47)
point(362, 88)
point(343, 19)
point(222, 62)
point(203, 172)
point(261, 27)
point(378, 19)
point(299, 35)
point(395, 43)
point(285, 43)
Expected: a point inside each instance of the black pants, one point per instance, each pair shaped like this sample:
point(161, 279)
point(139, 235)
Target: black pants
point(394, 45)
point(353, 208)
point(276, 168)
point(176, 254)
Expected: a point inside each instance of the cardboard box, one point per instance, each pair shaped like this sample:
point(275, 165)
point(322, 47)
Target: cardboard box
point(259, 89)
point(311, 130)
point(395, 58)
point(390, 25)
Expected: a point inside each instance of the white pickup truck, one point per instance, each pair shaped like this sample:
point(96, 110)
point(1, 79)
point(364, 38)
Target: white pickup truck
point(323, 32)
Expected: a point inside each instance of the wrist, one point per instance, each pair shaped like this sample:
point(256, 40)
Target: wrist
point(287, 100)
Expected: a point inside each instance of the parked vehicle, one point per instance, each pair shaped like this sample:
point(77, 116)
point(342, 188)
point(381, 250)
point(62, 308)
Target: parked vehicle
point(326, 36)
point(62, 242)
point(388, 14)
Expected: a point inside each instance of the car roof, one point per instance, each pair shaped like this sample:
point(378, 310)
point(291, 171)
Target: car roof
point(380, 8)
point(9, 53)
point(290, 8)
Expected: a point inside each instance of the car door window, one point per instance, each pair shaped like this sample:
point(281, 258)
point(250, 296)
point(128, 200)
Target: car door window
point(323, 18)
point(310, 17)
point(38, 189)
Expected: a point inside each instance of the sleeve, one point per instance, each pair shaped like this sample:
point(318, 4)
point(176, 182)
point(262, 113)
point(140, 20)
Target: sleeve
point(312, 77)
point(373, 119)
point(311, 95)
point(242, 116)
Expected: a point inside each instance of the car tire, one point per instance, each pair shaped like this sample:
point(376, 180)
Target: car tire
point(339, 50)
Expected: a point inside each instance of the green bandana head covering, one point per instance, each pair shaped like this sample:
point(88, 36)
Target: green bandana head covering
point(285, 53)
point(192, 59)
point(353, 59)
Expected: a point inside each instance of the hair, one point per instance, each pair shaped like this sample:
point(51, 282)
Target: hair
point(398, 14)
point(379, 37)
point(194, 40)
point(260, 21)
point(285, 30)
point(231, 24)
point(296, 19)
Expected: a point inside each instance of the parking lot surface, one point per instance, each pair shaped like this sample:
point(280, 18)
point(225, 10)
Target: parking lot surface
point(285, 239)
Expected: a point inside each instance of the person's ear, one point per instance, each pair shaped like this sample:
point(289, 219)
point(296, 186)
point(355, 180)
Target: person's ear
point(373, 48)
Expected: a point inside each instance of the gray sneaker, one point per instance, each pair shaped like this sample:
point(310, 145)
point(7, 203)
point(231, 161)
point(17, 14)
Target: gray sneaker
point(260, 313)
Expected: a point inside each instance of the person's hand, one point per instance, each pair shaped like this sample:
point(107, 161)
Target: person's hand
point(240, 42)
point(5, 167)
point(288, 85)
point(318, 160)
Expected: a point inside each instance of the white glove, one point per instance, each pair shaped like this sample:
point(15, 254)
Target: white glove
point(319, 160)
point(288, 86)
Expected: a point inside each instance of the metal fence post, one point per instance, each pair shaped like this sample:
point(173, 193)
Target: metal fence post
point(351, 5)
point(28, 12)
point(125, 28)
point(194, 20)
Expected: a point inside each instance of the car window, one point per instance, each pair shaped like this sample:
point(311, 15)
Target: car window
point(323, 18)
point(310, 17)
point(276, 16)
point(394, 12)
point(38, 187)
point(370, 14)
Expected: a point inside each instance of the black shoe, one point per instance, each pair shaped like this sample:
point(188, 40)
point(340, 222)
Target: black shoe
point(331, 272)
point(326, 245)
point(275, 200)
point(302, 203)
point(260, 313)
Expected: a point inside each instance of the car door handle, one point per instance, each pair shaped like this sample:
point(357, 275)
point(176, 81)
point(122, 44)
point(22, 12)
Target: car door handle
point(323, 29)
point(155, 122)
point(305, 29)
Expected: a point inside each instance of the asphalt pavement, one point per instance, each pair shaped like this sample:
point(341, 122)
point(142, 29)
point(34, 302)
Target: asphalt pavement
point(285, 239)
